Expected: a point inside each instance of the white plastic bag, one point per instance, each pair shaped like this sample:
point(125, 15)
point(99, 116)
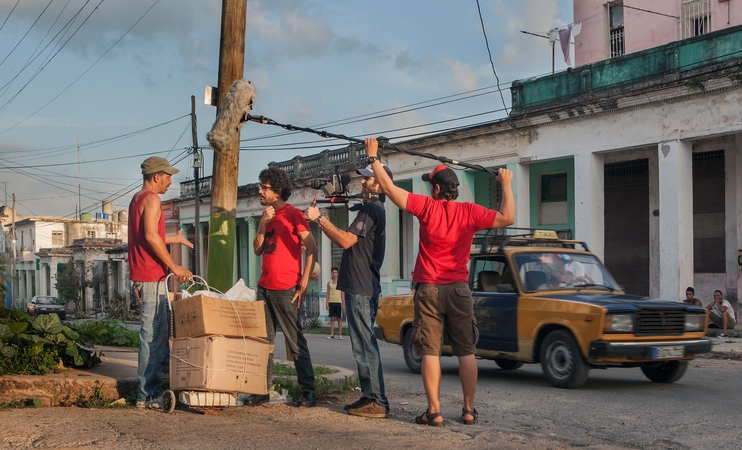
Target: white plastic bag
point(240, 292)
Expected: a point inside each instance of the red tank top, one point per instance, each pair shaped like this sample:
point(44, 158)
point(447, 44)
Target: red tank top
point(143, 264)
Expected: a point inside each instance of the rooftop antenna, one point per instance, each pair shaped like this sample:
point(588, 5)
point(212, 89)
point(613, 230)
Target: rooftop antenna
point(553, 36)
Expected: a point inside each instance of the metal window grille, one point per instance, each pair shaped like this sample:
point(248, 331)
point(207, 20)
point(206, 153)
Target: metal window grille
point(708, 163)
point(627, 173)
point(695, 17)
point(617, 42)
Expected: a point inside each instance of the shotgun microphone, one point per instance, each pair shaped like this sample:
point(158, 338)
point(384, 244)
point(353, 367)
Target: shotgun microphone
point(235, 107)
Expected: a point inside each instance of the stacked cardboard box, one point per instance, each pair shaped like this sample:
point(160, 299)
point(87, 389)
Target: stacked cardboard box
point(218, 345)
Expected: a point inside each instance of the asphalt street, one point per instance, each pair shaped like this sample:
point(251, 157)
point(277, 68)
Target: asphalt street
point(617, 406)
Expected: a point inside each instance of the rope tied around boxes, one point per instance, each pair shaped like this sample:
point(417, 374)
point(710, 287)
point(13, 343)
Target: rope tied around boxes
point(202, 282)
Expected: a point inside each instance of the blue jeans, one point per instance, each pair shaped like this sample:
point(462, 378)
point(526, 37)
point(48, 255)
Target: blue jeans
point(280, 311)
point(153, 339)
point(360, 312)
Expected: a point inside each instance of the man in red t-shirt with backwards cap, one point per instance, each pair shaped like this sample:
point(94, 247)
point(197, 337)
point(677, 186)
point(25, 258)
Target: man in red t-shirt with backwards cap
point(443, 296)
point(149, 261)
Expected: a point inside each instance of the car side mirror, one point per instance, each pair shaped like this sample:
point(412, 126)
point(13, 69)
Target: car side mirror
point(505, 288)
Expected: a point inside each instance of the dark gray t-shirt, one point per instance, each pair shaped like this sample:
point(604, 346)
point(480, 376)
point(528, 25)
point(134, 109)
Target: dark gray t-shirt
point(360, 265)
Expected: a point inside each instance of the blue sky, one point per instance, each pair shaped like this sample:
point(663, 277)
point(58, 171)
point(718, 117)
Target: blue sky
point(119, 78)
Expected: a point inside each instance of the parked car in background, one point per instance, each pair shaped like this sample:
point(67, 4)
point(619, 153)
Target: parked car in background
point(45, 304)
point(540, 299)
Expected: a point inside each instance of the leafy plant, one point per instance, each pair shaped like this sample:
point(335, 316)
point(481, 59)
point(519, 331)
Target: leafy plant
point(108, 332)
point(314, 323)
point(35, 346)
point(283, 369)
point(118, 308)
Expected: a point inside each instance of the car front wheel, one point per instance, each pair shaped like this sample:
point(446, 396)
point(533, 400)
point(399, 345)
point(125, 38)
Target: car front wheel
point(665, 372)
point(412, 358)
point(562, 361)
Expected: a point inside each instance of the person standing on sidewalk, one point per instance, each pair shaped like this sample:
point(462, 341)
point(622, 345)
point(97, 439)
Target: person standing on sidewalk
point(359, 278)
point(335, 304)
point(443, 296)
point(149, 261)
point(282, 284)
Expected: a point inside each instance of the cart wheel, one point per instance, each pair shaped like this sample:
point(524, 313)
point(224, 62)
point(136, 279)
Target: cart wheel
point(168, 401)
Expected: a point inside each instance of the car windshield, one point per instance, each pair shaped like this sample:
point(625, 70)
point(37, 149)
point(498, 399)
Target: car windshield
point(554, 270)
point(47, 301)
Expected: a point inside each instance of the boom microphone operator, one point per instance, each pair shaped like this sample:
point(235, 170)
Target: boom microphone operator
point(235, 108)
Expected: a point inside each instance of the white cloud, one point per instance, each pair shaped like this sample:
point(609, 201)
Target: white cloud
point(463, 78)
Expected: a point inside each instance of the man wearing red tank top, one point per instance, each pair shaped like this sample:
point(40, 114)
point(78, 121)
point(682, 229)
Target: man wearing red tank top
point(441, 274)
point(149, 261)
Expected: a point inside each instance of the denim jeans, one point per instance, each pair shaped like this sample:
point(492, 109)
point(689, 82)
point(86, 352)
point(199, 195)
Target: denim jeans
point(360, 312)
point(153, 339)
point(280, 311)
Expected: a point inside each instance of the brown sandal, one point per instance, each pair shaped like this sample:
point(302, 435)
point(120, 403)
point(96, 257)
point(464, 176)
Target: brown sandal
point(472, 413)
point(428, 416)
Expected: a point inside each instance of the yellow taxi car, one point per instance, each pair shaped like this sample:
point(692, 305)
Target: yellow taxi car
point(540, 299)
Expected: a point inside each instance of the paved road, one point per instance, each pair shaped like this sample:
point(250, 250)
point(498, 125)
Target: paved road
point(616, 406)
point(616, 409)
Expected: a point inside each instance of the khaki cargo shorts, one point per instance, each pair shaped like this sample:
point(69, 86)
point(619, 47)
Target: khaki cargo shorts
point(449, 305)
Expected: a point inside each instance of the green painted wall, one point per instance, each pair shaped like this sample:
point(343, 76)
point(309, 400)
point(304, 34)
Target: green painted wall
point(641, 67)
point(549, 167)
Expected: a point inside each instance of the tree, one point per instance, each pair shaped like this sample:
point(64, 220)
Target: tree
point(72, 280)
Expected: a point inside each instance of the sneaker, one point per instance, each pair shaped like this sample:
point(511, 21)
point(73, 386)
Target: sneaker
point(357, 404)
point(331, 337)
point(306, 400)
point(155, 403)
point(370, 409)
point(722, 335)
point(340, 337)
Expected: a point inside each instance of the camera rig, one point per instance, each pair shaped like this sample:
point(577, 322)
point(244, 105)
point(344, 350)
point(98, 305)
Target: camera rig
point(335, 190)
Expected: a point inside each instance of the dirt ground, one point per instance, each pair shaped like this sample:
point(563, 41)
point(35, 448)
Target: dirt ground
point(326, 426)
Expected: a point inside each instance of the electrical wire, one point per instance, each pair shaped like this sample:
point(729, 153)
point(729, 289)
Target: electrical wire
point(9, 14)
point(481, 20)
point(87, 70)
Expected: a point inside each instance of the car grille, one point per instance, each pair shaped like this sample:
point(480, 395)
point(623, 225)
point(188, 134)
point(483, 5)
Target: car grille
point(654, 323)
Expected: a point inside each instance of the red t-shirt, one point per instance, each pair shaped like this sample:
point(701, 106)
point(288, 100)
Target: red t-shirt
point(281, 268)
point(446, 233)
point(143, 264)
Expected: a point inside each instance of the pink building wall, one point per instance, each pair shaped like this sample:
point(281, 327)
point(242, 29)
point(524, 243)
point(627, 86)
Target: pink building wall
point(642, 30)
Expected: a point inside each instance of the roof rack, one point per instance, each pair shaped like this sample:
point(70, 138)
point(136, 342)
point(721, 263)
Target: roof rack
point(501, 238)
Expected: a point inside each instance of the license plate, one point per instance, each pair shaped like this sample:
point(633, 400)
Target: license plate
point(677, 351)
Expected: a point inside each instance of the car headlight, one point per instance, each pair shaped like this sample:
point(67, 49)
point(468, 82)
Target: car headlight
point(619, 323)
point(695, 322)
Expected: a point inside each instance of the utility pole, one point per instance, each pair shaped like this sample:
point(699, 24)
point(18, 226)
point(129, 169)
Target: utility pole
point(13, 278)
point(223, 223)
point(197, 208)
point(79, 198)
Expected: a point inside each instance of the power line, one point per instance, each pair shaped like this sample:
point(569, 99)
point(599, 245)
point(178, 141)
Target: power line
point(490, 55)
point(88, 69)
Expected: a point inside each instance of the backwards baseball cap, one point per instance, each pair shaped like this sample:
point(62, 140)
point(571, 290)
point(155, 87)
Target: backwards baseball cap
point(369, 172)
point(155, 164)
point(442, 175)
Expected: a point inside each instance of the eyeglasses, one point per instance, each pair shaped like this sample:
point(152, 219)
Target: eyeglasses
point(263, 187)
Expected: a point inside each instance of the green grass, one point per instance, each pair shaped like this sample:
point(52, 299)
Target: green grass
point(284, 369)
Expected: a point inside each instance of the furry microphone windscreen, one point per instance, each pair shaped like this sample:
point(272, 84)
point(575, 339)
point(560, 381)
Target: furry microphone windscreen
point(237, 103)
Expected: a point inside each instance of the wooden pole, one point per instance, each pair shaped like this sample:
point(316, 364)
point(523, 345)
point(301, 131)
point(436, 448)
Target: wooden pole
point(196, 187)
point(222, 223)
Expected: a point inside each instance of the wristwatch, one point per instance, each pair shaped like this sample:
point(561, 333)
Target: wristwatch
point(371, 159)
point(318, 220)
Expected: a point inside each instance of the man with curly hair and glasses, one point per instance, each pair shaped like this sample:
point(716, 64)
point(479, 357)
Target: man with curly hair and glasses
point(283, 284)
